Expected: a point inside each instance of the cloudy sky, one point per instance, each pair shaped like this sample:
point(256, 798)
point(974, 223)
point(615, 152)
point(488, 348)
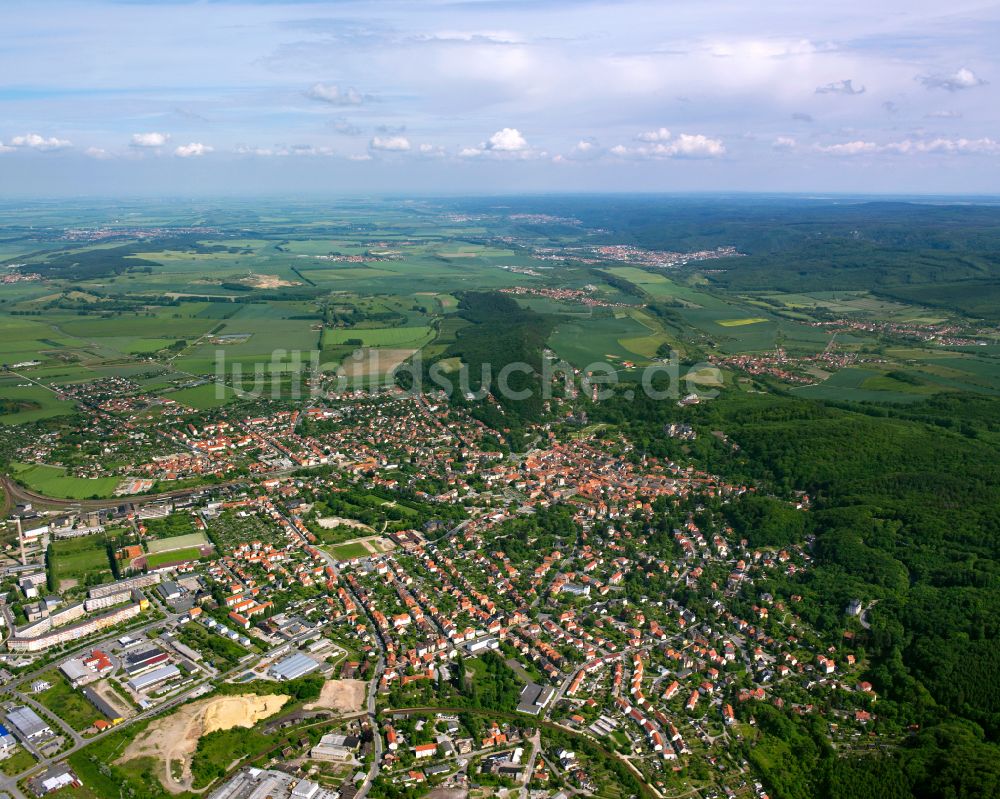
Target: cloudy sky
point(144, 97)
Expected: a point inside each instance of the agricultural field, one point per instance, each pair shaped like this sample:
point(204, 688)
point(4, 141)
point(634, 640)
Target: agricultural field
point(201, 397)
point(24, 402)
point(612, 338)
point(753, 320)
point(379, 337)
point(860, 384)
point(169, 309)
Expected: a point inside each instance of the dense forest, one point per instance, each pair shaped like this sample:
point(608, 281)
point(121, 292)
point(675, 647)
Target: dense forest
point(906, 517)
point(502, 334)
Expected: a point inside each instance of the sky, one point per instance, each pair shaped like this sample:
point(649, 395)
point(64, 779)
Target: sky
point(136, 97)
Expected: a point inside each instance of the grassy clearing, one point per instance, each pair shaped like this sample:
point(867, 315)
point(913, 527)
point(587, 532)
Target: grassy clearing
point(54, 481)
point(67, 703)
point(222, 653)
point(750, 320)
point(80, 559)
point(20, 761)
point(169, 526)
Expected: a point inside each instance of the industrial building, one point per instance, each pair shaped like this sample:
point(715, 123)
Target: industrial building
point(334, 747)
point(254, 783)
point(534, 698)
point(102, 705)
point(293, 667)
point(137, 662)
point(146, 681)
point(27, 724)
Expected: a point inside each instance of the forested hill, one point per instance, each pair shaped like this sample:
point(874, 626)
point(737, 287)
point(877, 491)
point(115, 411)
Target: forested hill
point(502, 333)
point(906, 517)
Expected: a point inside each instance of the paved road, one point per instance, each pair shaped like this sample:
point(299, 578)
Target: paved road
point(372, 774)
point(373, 771)
point(529, 769)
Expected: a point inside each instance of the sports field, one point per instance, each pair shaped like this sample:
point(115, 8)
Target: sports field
point(173, 556)
point(349, 551)
point(176, 542)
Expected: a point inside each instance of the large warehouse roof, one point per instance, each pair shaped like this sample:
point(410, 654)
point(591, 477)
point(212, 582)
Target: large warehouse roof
point(294, 666)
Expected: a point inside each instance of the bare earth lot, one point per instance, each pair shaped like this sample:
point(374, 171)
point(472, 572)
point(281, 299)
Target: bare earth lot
point(174, 738)
point(344, 696)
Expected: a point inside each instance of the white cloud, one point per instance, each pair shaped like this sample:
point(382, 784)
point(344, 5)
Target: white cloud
point(840, 87)
point(5, 149)
point(784, 143)
point(961, 146)
point(848, 148)
point(508, 140)
point(962, 79)
point(311, 150)
point(393, 144)
point(974, 146)
point(332, 93)
point(661, 134)
point(944, 115)
point(151, 139)
point(505, 143)
point(662, 144)
point(262, 152)
point(98, 153)
point(283, 150)
point(360, 157)
point(34, 141)
point(193, 150)
point(697, 146)
point(758, 48)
